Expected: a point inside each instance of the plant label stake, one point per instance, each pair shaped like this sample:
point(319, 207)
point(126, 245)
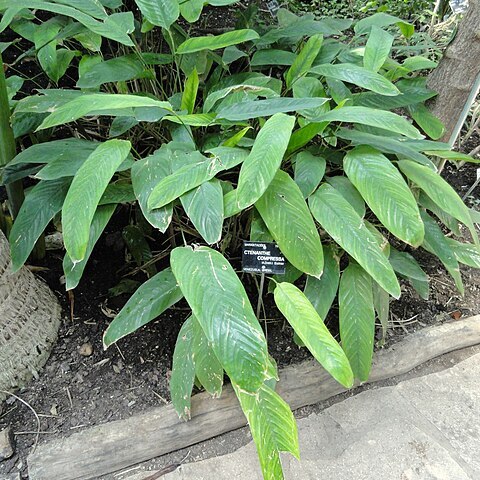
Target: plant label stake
point(262, 257)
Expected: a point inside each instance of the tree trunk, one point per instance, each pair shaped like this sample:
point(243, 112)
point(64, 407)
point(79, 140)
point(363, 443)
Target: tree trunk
point(456, 75)
point(29, 322)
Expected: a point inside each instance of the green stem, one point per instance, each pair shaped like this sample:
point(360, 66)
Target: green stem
point(7, 146)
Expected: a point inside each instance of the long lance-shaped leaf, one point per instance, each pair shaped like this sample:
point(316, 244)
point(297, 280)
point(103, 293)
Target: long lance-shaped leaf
point(393, 203)
point(264, 108)
point(194, 174)
point(151, 299)
point(321, 292)
point(405, 265)
point(189, 95)
point(377, 49)
point(119, 69)
point(346, 189)
point(357, 319)
point(86, 191)
point(208, 369)
point(439, 191)
point(159, 12)
point(288, 219)
point(360, 76)
point(43, 202)
point(219, 302)
point(309, 171)
point(308, 325)
point(345, 226)
point(197, 44)
point(372, 117)
point(264, 160)
point(304, 60)
point(465, 253)
point(204, 207)
point(99, 103)
point(44, 153)
point(74, 271)
point(435, 242)
point(146, 174)
point(183, 371)
point(383, 144)
point(109, 28)
point(273, 428)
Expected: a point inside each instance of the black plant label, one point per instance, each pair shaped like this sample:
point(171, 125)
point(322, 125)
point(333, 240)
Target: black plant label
point(262, 257)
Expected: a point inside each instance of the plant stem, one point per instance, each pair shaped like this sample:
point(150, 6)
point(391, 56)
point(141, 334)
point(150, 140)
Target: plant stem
point(7, 146)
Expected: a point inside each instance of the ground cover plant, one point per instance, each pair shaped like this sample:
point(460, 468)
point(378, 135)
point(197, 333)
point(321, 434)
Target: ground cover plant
point(295, 133)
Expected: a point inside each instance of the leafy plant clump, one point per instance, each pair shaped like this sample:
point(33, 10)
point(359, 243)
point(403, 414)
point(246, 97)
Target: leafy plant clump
point(292, 134)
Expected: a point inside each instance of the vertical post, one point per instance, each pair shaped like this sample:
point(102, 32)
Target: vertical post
point(7, 146)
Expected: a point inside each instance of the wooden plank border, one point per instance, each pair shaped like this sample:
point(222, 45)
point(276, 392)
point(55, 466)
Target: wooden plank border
point(116, 445)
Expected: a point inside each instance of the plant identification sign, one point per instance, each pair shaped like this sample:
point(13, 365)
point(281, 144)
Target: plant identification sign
point(262, 257)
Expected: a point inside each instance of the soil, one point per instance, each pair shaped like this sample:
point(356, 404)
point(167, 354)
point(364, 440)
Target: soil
point(82, 385)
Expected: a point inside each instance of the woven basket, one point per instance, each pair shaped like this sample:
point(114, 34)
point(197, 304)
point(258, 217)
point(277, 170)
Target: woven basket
point(29, 323)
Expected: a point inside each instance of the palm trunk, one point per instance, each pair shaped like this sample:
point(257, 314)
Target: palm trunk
point(29, 323)
point(458, 73)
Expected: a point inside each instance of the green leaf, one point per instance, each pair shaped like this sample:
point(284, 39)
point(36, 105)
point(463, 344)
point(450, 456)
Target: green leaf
point(41, 204)
point(151, 299)
point(264, 160)
point(435, 242)
point(74, 271)
point(196, 44)
point(451, 155)
point(86, 191)
point(302, 136)
point(304, 61)
point(264, 108)
point(118, 193)
point(384, 144)
point(393, 203)
point(372, 117)
point(382, 19)
point(189, 95)
point(346, 227)
point(272, 57)
point(273, 428)
point(377, 49)
point(350, 73)
point(191, 10)
point(321, 292)
point(147, 173)
point(346, 189)
point(208, 369)
point(308, 325)
point(451, 223)
point(219, 302)
point(310, 87)
point(288, 219)
point(439, 191)
point(196, 171)
point(119, 69)
point(381, 302)
point(110, 27)
point(428, 122)
point(99, 103)
point(183, 370)
point(159, 12)
point(247, 89)
point(357, 319)
point(309, 171)
point(204, 207)
point(465, 253)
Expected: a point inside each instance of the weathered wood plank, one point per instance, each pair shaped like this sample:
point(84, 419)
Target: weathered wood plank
point(110, 447)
